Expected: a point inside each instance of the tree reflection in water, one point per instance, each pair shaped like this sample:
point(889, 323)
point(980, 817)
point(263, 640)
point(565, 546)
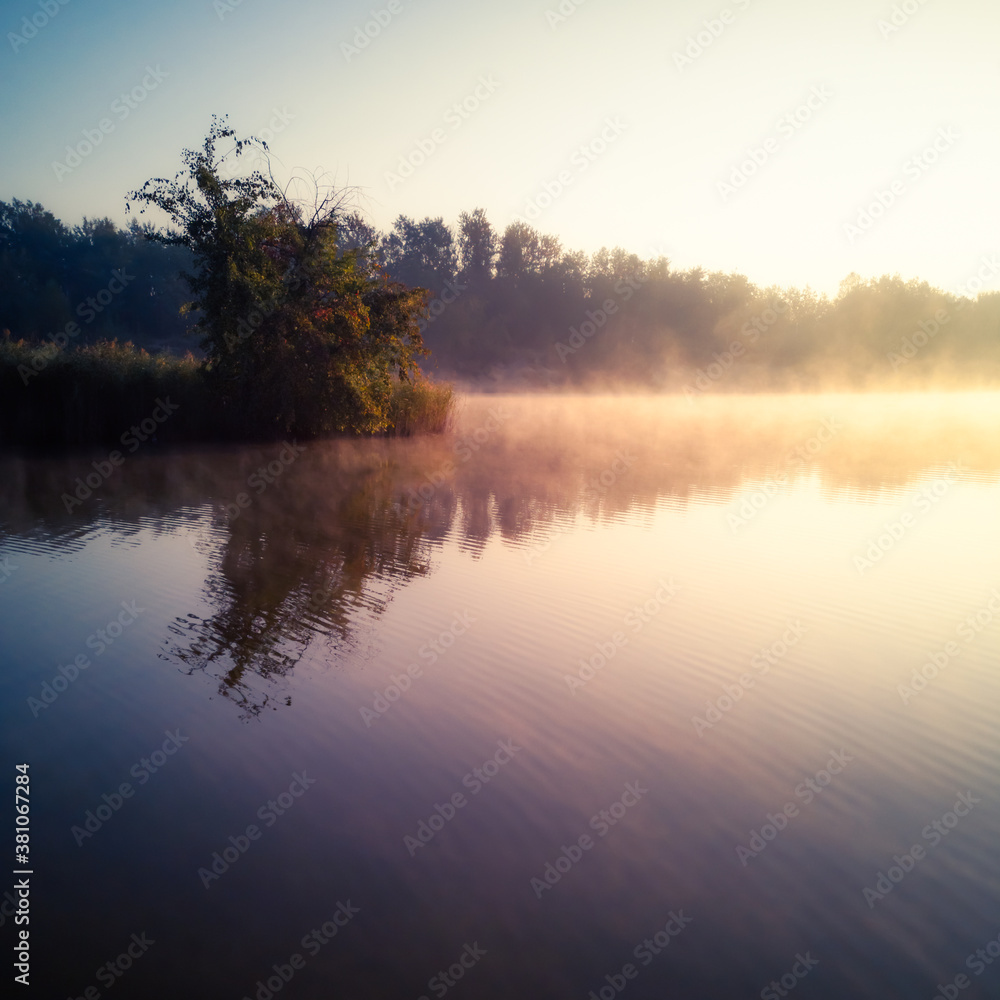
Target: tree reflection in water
point(307, 567)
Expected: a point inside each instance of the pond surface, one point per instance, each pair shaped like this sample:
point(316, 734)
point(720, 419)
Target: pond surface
point(590, 696)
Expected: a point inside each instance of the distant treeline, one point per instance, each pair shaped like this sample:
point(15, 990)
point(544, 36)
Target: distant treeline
point(517, 306)
point(90, 282)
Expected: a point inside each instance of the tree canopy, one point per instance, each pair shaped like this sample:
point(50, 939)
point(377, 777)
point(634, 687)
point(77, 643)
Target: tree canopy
point(302, 317)
point(301, 333)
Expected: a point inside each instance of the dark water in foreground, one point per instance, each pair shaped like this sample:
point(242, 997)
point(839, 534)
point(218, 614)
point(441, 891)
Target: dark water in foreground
point(596, 695)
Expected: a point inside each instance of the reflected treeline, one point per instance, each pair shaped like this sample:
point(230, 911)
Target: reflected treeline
point(314, 552)
point(304, 551)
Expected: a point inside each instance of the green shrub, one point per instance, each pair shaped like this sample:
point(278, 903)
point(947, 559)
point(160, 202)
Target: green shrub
point(93, 394)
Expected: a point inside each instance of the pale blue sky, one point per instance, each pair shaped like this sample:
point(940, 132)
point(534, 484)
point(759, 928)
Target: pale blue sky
point(651, 185)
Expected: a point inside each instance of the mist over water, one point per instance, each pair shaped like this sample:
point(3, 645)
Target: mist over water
point(705, 669)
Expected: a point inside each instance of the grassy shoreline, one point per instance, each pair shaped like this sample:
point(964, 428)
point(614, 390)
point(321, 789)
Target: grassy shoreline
point(108, 392)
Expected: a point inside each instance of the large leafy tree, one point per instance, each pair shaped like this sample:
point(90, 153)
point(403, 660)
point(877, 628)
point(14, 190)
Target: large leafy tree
point(33, 269)
point(301, 334)
point(477, 242)
point(421, 253)
point(520, 252)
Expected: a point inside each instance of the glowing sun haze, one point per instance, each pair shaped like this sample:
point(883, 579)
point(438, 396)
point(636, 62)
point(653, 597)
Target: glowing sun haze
point(792, 142)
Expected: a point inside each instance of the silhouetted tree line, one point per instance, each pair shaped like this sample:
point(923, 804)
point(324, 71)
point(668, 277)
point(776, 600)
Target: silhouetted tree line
point(518, 304)
point(113, 283)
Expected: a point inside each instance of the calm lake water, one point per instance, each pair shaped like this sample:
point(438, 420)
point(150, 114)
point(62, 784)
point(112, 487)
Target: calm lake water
point(593, 696)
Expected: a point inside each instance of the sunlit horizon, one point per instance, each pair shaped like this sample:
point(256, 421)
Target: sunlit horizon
point(749, 143)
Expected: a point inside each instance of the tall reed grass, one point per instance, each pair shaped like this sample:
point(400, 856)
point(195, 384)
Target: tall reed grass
point(93, 394)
